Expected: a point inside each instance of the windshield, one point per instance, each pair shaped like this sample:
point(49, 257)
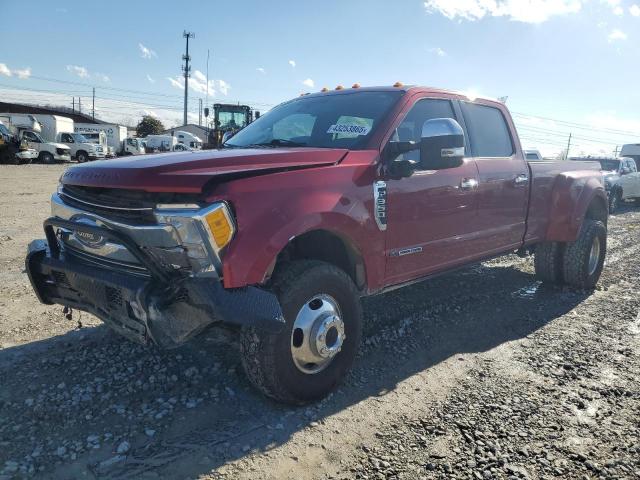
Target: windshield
point(325, 121)
point(231, 120)
point(609, 165)
point(79, 138)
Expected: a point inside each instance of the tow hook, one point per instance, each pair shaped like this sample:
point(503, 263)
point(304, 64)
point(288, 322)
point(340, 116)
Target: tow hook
point(68, 313)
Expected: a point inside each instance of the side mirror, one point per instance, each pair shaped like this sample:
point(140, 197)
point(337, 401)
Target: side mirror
point(441, 144)
point(625, 171)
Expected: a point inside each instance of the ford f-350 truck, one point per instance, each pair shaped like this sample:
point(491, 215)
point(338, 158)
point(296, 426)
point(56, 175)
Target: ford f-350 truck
point(324, 199)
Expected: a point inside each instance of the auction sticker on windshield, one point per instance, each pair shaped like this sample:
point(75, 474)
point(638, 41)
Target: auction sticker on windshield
point(349, 128)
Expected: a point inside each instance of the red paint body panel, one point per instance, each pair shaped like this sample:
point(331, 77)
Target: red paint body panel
point(297, 190)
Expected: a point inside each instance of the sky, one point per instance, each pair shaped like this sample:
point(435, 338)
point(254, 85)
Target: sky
point(565, 66)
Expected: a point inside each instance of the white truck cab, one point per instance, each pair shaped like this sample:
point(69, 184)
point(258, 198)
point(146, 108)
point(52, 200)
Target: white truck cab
point(81, 148)
point(28, 129)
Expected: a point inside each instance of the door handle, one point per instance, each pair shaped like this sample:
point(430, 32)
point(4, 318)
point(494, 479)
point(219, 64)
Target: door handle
point(468, 184)
point(521, 179)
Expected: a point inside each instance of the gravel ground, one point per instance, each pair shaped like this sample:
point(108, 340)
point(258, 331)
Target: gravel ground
point(483, 374)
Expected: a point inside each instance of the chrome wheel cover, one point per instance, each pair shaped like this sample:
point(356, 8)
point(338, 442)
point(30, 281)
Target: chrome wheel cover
point(317, 335)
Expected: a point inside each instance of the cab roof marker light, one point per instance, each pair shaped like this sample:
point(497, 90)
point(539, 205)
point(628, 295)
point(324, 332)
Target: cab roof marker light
point(398, 85)
point(324, 89)
point(355, 85)
point(339, 87)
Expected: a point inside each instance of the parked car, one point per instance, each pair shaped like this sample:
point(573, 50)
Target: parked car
point(621, 179)
point(27, 129)
point(324, 199)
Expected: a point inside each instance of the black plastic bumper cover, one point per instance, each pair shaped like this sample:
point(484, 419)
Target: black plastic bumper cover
point(159, 309)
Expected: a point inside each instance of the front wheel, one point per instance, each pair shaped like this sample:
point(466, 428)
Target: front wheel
point(584, 258)
point(316, 348)
point(82, 157)
point(46, 157)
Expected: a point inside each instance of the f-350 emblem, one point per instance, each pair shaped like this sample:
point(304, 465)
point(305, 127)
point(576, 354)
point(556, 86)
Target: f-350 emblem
point(380, 204)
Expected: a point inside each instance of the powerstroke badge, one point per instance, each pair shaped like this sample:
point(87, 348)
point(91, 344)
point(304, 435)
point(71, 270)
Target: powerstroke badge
point(380, 204)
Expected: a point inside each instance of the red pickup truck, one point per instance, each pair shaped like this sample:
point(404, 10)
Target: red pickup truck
point(326, 198)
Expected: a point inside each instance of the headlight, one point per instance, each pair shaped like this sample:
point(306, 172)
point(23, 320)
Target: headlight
point(204, 232)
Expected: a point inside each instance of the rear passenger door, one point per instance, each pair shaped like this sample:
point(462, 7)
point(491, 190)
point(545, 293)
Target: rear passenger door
point(503, 188)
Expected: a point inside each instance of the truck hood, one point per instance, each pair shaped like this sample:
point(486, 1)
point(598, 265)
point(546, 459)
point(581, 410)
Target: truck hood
point(189, 172)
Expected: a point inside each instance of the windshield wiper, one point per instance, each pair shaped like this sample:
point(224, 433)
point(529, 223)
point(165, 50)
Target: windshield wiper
point(278, 142)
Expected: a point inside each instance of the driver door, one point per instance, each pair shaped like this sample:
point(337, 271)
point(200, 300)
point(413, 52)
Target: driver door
point(429, 214)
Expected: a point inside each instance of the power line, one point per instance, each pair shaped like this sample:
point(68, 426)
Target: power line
point(582, 126)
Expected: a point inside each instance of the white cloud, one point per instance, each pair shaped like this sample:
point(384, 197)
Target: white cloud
point(530, 11)
point(223, 86)
point(82, 72)
point(634, 10)
point(102, 76)
point(618, 11)
point(7, 72)
point(198, 83)
point(616, 35)
point(308, 82)
point(147, 52)
point(292, 63)
point(4, 70)
point(261, 70)
point(438, 51)
point(177, 82)
point(24, 73)
point(151, 80)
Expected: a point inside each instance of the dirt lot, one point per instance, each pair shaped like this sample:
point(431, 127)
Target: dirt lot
point(478, 374)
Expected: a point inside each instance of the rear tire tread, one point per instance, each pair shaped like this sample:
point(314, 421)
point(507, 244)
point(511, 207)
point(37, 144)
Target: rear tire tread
point(575, 269)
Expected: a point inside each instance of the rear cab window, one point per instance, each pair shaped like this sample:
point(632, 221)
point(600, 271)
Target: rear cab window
point(489, 134)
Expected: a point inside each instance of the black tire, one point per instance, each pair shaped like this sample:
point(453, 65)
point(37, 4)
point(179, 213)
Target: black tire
point(82, 156)
point(577, 271)
point(614, 201)
point(267, 358)
point(548, 262)
point(46, 157)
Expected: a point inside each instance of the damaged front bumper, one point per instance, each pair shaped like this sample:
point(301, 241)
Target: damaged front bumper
point(162, 308)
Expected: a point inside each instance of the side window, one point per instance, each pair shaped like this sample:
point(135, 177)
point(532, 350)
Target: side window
point(488, 131)
point(411, 126)
point(66, 138)
point(298, 125)
point(632, 166)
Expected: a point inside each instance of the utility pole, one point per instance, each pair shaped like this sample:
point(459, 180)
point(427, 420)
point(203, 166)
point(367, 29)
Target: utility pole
point(615, 154)
point(568, 147)
point(79, 105)
point(186, 68)
point(73, 104)
point(200, 112)
point(93, 104)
